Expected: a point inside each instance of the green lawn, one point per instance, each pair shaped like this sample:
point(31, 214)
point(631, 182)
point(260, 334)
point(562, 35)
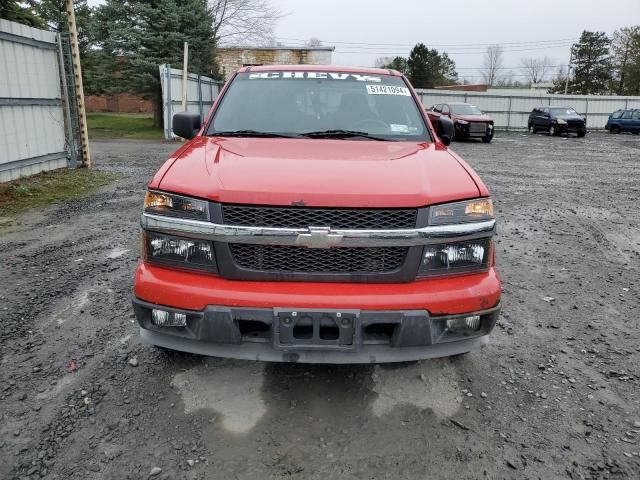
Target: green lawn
point(49, 187)
point(123, 125)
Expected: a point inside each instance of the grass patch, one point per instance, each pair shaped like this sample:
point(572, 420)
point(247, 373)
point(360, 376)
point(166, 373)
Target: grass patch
point(49, 187)
point(122, 125)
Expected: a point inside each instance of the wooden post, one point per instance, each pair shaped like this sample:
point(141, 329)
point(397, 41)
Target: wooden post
point(185, 74)
point(77, 71)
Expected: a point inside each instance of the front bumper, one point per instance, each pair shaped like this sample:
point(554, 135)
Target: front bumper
point(267, 334)
point(395, 322)
point(469, 130)
point(565, 128)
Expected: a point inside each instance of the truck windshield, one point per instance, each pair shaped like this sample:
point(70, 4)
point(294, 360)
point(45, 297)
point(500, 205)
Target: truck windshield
point(466, 109)
point(318, 104)
point(563, 112)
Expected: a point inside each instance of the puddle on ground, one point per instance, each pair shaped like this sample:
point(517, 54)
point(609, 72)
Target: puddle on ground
point(117, 253)
point(232, 389)
point(432, 384)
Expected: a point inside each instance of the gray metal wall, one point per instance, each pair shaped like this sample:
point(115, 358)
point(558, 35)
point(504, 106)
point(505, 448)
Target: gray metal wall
point(32, 125)
point(511, 111)
point(201, 94)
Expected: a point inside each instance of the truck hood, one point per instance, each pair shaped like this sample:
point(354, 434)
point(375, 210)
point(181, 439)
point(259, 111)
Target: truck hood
point(571, 117)
point(473, 118)
point(327, 172)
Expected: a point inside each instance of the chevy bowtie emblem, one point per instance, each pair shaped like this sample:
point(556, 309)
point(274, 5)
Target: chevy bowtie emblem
point(319, 237)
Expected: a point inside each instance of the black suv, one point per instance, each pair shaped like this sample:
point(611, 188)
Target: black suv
point(556, 121)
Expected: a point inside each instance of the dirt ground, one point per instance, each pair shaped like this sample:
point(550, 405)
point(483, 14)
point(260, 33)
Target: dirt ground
point(556, 393)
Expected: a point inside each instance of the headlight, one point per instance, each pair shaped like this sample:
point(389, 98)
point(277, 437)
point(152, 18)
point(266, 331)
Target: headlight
point(477, 210)
point(560, 121)
point(171, 205)
point(179, 252)
point(462, 122)
point(453, 258)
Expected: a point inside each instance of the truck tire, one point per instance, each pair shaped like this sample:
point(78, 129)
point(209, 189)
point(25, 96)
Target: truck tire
point(615, 129)
point(582, 133)
point(487, 139)
point(553, 131)
point(532, 128)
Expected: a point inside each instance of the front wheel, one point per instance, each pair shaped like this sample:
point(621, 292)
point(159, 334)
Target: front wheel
point(553, 131)
point(615, 130)
point(532, 128)
point(487, 139)
point(582, 133)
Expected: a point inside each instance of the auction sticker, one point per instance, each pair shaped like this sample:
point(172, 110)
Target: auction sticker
point(387, 90)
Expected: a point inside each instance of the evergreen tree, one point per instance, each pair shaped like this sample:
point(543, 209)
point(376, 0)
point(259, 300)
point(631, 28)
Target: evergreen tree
point(134, 38)
point(53, 14)
point(16, 11)
point(429, 68)
point(625, 49)
point(591, 66)
point(400, 64)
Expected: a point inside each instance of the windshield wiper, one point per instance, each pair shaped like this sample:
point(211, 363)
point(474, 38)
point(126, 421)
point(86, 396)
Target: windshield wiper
point(343, 134)
point(250, 133)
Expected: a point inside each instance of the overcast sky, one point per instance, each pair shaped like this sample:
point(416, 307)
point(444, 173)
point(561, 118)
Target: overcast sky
point(461, 27)
point(461, 22)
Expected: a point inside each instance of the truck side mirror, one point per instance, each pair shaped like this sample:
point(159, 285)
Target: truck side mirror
point(446, 130)
point(186, 124)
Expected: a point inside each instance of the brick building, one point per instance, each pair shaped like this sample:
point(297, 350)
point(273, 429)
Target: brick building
point(119, 103)
point(231, 59)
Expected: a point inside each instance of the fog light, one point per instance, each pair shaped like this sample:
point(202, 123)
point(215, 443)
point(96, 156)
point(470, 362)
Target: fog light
point(464, 324)
point(162, 318)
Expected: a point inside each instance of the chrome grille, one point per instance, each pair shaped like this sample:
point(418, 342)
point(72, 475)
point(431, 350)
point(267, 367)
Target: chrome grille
point(303, 217)
point(284, 259)
point(477, 127)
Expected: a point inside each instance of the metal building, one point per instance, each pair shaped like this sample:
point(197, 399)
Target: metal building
point(38, 122)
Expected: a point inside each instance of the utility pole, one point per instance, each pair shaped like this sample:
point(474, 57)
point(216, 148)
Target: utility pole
point(185, 76)
point(77, 72)
point(566, 82)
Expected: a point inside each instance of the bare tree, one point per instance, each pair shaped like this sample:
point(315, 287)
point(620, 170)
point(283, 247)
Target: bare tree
point(492, 64)
point(314, 42)
point(505, 80)
point(536, 69)
point(243, 21)
point(382, 62)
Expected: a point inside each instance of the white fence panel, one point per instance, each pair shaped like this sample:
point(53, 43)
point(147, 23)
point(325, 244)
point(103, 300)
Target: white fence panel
point(201, 95)
point(511, 110)
point(32, 128)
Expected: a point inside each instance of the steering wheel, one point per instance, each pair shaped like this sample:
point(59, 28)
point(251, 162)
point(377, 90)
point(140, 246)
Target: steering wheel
point(370, 121)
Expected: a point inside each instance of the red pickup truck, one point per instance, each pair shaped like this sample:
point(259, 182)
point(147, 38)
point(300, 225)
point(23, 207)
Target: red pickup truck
point(315, 216)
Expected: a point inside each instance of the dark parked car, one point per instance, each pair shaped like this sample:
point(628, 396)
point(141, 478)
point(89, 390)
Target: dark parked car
point(624, 121)
point(468, 120)
point(556, 121)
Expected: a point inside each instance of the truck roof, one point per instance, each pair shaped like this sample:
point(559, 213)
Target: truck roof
point(319, 68)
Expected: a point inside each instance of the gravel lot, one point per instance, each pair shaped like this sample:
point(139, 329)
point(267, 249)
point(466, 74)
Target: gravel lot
point(555, 395)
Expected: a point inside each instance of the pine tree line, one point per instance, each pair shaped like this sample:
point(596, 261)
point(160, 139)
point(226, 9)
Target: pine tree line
point(602, 65)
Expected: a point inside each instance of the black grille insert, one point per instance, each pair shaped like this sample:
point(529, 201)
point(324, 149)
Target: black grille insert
point(303, 217)
point(283, 259)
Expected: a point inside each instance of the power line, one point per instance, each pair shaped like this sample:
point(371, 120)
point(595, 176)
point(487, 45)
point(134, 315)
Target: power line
point(450, 52)
point(476, 45)
point(508, 68)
